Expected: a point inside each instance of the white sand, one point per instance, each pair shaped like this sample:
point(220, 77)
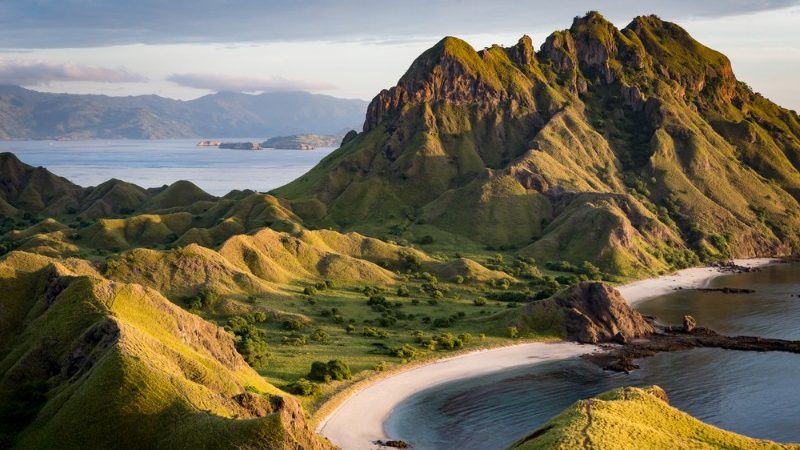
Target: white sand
point(696, 277)
point(358, 421)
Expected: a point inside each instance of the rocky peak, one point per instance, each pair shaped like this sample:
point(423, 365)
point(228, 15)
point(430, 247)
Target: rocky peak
point(523, 53)
point(676, 56)
point(451, 71)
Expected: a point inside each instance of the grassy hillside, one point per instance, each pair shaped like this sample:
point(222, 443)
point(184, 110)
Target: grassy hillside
point(636, 149)
point(633, 418)
point(90, 363)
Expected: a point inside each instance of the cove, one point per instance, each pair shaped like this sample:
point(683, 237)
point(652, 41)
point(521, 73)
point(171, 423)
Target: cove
point(750, 393)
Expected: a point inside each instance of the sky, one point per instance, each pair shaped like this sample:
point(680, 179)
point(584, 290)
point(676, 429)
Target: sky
point(345, 48)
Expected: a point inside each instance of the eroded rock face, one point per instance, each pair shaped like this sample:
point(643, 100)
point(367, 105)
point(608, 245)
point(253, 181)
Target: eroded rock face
point(596, 312)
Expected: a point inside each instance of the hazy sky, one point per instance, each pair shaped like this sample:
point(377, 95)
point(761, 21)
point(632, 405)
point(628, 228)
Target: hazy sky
point(187, 48)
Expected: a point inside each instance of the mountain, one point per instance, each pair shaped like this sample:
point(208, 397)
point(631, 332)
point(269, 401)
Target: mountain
point(27, 114)
point(635, 149)
point(633, 418)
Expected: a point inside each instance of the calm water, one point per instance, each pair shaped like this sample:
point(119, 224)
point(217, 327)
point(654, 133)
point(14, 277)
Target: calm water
point(158, 162)
point(752, 393)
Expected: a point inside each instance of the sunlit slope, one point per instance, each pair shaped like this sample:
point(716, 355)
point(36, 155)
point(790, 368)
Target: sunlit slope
point(91, 363)
point(634, 418)
point(634, 148)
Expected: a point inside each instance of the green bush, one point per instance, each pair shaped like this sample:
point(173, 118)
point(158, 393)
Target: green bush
point(251, 342)
point(334, 369)
point(319, 335)
point(292, 325)
point(303, 387)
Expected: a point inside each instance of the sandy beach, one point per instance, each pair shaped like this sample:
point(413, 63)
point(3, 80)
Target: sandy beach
point(358, 421)
point(695, 277)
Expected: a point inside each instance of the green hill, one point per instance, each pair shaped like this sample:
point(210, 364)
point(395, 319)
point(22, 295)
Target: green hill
point(89, 363)
point(636, 149)
point(634, 418)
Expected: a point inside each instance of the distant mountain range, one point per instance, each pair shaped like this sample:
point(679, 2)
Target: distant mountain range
point(27, 114)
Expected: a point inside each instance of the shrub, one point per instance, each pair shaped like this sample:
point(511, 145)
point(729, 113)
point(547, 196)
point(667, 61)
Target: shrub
point(251, 342)
point(402, 291)
point(480, 301)
point(334, 369)
point(319, 335)
point(310, 291)
point(349, 329)
point(303, 387)
point(513, 332)
point(380, 367)
point(427, 239)
point(404, 352)
point(292, 325)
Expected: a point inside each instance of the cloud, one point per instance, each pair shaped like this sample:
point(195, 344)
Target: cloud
point(219, 82)
point(93, 23)
point(31, 73)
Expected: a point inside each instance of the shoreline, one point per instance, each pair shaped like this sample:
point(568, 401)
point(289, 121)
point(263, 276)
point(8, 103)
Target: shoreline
point(691, 278)
point(358, 420)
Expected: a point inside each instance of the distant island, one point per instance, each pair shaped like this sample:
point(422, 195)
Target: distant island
point(240, 146)
point(207, 143)
point(303, 141)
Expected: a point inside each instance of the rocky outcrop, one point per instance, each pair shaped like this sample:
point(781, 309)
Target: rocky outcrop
point(595, 312)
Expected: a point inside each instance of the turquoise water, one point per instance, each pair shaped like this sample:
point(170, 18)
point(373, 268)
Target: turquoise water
point(153, 163)
point(752, 393)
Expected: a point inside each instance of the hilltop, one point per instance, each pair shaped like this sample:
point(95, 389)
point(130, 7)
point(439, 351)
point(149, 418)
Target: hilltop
point(633, 418)
point(28, 114)
point(636, 149)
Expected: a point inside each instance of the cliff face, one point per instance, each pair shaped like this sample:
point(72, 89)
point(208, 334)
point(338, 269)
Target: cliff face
point(595, 312)
point(642, 132)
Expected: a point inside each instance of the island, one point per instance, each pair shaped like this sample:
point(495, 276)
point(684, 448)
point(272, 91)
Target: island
point(208, 143)
point(302, 141)
point(240, 146)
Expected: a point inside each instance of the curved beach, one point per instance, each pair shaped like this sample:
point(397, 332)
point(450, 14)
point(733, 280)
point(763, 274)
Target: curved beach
point(359, 421)
point(692, 278)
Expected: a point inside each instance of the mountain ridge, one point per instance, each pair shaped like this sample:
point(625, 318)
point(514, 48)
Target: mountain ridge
point(28, 114)
point(643, 131)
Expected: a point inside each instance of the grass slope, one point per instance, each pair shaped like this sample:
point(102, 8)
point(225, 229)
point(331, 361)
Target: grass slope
point(634, 418)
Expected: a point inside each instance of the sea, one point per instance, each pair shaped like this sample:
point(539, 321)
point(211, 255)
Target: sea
point(154, 163)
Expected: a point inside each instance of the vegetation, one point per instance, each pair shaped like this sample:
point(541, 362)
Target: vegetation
point(633, 418)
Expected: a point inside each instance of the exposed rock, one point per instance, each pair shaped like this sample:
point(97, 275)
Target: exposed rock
point(689, 324)
point(727, 290)
point(669, 339)
point(595, 312)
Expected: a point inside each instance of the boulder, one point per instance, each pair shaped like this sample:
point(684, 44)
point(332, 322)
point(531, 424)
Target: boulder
point(595, 312)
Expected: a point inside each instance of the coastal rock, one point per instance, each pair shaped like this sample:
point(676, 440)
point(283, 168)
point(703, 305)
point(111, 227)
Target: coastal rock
point(689, 324)
point(596, 312)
